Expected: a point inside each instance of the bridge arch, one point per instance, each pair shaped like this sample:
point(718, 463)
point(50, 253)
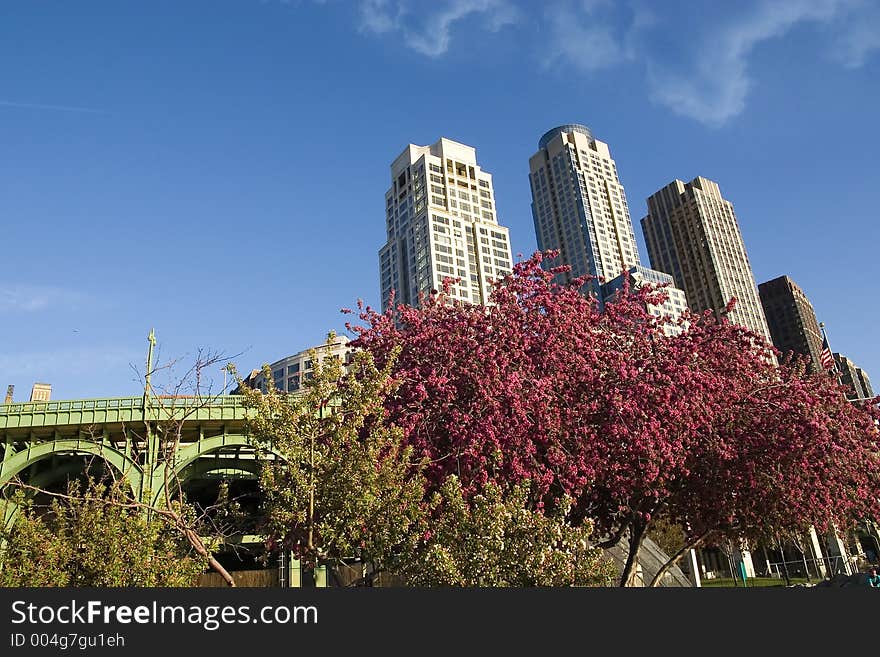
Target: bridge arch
point(188, 455)
point(198, 469)
point(25, 458)
point(20, 461)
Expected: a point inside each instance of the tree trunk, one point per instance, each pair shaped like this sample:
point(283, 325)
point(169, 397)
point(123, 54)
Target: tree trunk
point(676, 558)
point(199, 546)
point(636, 537)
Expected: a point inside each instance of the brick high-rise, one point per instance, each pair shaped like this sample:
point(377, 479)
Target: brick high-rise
point(791, 319)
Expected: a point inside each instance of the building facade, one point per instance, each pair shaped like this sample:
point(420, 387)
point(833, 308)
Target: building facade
point(671, 309)
point(579, 206)
point(692, 234)
point(854, 377)
point(41, 392)
point(865, 382)
point(289, 374)
point(441, 222)
point(791, 319)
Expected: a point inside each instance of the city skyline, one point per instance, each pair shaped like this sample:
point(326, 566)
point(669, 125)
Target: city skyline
point(216, 170)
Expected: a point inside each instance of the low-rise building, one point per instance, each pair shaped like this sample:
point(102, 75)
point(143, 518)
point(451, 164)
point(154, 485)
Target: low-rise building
point(289, 373)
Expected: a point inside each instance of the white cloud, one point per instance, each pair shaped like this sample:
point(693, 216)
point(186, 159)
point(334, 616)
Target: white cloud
point(429, 30)
point(859, 38)
point(581, 38)
point(34, 298)
point(595, 34)
point(696, 62)
point(377, 16)
point(716, 87)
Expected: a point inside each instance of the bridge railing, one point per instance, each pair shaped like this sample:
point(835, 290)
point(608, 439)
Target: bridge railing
point(110, 409)
point(186, 401)
point(71, 405)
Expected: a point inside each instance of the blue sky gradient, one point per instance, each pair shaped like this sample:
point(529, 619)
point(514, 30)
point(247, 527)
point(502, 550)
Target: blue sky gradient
point(216, 169)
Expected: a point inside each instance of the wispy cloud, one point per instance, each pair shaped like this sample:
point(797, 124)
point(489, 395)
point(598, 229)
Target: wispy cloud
point(585, 35)
point(858, 38)
point(697, 64)
point(429, 30)
point(53, 108)
point(716, 86)
point(34, 298)
point(703, 72)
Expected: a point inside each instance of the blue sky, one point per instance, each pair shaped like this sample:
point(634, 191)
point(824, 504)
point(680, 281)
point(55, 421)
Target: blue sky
point(216, 169)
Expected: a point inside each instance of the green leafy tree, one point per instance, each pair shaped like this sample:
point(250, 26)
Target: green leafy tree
point(94, 536)
point(494, 539)
point(338, 483)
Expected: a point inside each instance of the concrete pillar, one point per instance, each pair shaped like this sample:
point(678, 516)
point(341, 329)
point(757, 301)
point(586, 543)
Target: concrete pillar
point(838, 561)
point(639, 579)
point(816, 549)
point(692, 568)
point(742, 553)
point(873, 532)
point(321, 577)
point(294, 577)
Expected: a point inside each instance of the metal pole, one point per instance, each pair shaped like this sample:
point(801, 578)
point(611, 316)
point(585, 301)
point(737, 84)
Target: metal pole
point(148, 389)
point(834, 367)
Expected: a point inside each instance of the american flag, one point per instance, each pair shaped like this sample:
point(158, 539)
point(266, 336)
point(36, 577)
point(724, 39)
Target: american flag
point(825, 358)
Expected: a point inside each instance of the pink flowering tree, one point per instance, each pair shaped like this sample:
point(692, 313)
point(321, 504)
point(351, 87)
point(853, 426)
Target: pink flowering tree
point(700, 428)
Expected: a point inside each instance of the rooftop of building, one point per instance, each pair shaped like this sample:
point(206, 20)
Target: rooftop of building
point(558, 130)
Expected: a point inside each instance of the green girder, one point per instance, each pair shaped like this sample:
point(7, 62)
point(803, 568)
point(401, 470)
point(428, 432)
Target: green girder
point(123, 431)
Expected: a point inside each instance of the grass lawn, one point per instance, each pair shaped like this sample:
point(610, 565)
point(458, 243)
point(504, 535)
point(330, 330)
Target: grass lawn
point(752, 581)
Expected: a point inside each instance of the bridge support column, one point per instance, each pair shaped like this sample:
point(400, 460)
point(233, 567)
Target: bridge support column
point(8, 513)
point(7, 452)
point(321, 577)
point(294, 573)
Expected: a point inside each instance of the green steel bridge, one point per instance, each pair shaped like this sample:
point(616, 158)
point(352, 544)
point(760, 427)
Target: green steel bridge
point(127, 433)
point(149, 440)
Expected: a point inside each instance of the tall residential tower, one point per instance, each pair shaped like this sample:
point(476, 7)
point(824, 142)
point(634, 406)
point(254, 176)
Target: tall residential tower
point(579, 206)
point(692, 234)
point(791, 319)
point(440, 222)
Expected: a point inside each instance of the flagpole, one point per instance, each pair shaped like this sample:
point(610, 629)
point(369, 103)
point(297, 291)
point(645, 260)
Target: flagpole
point(828, 344)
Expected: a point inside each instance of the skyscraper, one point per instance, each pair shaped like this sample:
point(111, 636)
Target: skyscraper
point(441, 223)
point(692, 233)
point(791, 319)
point(579, 206)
